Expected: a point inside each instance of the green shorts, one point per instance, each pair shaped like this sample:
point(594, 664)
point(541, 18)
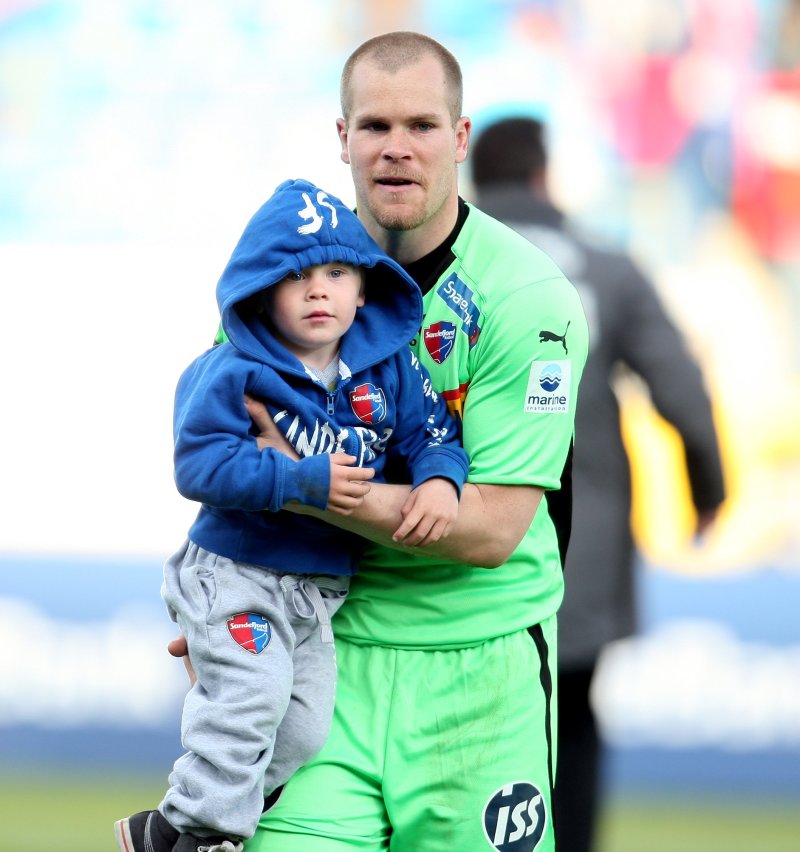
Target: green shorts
point(430, 751)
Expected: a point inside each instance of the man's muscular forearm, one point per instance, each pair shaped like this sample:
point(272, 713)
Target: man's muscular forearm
point(492, 519)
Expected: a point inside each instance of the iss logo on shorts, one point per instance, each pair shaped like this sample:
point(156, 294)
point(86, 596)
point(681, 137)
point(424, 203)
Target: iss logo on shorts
point(250, 631)
point(515, 818)
point(439, 338)
point(368, 403)
point(548, 389)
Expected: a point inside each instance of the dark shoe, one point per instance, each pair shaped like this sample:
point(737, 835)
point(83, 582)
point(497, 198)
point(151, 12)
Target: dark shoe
point(190, 843)
point(147, 831)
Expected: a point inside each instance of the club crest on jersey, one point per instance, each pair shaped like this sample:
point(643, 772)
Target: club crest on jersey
point(439, 338)
point(459, 298)
point(250, 631)
point(515, 818)
point(368, 403)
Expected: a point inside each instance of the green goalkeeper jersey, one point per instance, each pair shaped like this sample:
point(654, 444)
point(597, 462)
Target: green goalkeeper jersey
point(505, 340)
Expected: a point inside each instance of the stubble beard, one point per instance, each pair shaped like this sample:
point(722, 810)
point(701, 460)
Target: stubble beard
point(394, 220)
point(401, 217)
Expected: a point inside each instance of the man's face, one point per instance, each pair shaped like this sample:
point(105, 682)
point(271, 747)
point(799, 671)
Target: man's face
point(403, 149)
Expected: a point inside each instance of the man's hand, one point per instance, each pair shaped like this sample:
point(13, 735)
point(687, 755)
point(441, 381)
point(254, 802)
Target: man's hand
point(429, 513)
point(349, 485)
point(178, 648)
point(269, 434)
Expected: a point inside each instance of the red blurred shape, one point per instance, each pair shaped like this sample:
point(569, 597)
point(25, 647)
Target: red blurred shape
point(766, 195)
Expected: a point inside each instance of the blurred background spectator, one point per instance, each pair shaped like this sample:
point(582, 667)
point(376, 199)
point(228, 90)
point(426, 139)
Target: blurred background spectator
point(629, 331)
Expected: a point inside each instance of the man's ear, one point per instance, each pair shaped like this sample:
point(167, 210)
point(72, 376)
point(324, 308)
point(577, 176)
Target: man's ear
point(341, 129)
point(463, 130)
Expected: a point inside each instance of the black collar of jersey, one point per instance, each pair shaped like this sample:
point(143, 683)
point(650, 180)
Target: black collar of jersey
point(427, 269)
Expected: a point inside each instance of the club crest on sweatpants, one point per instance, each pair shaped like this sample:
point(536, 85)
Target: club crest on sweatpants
point(250, 631)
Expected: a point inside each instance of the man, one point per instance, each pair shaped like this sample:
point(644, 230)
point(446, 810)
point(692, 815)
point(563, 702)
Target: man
point(628, 328)
point(445, 709)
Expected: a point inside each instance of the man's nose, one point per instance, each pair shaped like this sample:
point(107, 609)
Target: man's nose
point(396, 145)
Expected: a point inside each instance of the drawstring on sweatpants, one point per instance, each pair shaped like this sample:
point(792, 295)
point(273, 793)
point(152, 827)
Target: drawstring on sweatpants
point(314, 597)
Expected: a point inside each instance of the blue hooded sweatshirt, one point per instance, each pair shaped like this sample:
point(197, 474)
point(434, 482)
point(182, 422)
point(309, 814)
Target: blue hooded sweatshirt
point(382, 409)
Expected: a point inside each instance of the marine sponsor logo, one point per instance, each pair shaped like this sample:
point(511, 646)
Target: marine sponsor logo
point(459, 298)
point(368, 403)
point(550, 378)
point(515, 818)
point(549, 384)
point(439, 338)
point(250, 631)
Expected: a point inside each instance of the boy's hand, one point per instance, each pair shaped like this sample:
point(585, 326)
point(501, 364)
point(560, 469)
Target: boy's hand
point(429, 513)
point(349, 485)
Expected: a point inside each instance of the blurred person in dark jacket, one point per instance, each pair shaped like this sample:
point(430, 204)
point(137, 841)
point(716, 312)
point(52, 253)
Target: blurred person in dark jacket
point(629, 328)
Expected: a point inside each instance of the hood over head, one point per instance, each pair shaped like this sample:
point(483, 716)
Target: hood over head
point(299, 226)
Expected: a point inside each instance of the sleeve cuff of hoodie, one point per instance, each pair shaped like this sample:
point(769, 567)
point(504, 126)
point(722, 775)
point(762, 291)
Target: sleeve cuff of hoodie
point(307, 481)
point(443, 465)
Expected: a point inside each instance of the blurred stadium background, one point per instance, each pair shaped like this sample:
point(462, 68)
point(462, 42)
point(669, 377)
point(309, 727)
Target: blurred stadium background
point(137, 137)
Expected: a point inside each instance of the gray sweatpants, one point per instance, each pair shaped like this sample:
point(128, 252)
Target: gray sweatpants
point(262, 649)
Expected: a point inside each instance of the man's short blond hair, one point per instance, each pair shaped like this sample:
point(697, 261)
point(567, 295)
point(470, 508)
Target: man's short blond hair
point(393, 51)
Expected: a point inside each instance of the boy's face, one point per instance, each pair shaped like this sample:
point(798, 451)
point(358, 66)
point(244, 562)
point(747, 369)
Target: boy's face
point(312, 309)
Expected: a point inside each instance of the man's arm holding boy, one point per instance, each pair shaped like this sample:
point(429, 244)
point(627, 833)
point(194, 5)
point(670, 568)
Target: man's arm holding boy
point(491, 520)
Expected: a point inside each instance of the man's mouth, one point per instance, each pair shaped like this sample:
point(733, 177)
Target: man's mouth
point(394, 181)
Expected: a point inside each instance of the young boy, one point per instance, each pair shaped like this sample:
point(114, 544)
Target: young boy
point(317, 320)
